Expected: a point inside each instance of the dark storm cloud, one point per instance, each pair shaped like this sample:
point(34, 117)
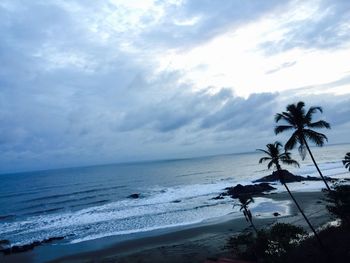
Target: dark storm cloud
point(70, 96)
point(239, 112)
point(221, 111)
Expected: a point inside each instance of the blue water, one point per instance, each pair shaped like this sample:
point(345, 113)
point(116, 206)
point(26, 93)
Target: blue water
point(92, 202)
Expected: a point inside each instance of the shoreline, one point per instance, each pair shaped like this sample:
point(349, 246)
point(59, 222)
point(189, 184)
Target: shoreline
point(192, 243)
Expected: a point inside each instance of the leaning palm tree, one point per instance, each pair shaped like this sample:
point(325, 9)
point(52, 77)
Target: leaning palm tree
point(245, 200)
point(299, 120)
point(275, 156)
point(346, 161)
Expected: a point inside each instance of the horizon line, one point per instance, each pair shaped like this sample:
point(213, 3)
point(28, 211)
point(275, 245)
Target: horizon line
point(143, 161)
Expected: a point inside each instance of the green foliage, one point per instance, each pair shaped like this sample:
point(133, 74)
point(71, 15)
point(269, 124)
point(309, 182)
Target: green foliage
point(242, 245)
point(339, 200)
point(346, 161)
point(269, 245)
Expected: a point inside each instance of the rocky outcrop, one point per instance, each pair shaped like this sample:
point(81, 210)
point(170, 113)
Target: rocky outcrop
point(7, 249)
point(251, 190)
point(4, 244)
point(288, 177)
point(134, 196)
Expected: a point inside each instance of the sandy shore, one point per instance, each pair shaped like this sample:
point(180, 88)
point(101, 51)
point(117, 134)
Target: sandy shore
point(192, 244)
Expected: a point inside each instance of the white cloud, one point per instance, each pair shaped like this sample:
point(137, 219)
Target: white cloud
point(237, 59)
point(91, 82)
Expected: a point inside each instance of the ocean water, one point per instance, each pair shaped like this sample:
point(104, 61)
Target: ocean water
point(86, 203)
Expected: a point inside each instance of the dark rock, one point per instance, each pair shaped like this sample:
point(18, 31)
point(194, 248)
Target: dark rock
point(18, 249)
point(252, 190)
point(3, 217)
point(4, 244)
point(177, 201)
point(48, 240)
point(135, 196)
point(276, 214)
point(287, 176)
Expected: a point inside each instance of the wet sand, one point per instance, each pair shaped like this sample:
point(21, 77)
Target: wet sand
point(191, 244)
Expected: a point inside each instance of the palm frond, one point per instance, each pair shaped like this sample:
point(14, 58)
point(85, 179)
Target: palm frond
point(346, 161)
point(285, 116)
point(277, 144)
point(270, 164)
point(319, 124)
point(315, 137)
point(312, 110)
point(282, 128)
point(290, 162)
point(264, 151)
point(285, 155)
point(292, 141)
point(245, 200)
point(264, 159)
point(300, 105)
point(275, 155)
point(302, 151)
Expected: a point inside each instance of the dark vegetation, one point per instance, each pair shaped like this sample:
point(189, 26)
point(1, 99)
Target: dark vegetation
point(286, 242)
point(244, 203)
point(339, 203)
point(270, 245)
point(275, 157)
point(289, 243)
point(296, 118)
point(346, 161)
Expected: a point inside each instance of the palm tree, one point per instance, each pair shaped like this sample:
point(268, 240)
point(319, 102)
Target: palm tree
point(346, 161)
point(245, 200)
point(275, 157)
point(298, 119)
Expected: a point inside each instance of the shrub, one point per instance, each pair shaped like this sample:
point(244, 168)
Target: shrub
point(339, 202)
point(269, 245)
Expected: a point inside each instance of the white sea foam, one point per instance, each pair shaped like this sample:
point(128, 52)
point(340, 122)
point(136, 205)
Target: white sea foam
point(191, 205)
point(161, 207)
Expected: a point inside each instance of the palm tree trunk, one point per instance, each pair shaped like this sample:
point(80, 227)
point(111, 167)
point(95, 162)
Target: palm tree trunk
point(256, 231)
point(251, 221)
point(306, 219)
point(318, 169)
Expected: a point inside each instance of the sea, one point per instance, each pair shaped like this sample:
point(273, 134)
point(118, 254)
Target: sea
point(87, 203)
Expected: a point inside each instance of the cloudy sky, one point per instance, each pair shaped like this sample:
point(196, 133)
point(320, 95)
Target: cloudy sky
point(87, 82)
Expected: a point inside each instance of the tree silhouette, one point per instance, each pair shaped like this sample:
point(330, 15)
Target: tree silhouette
point(299, 120)
point(346, 161)
point(275, 157)
point(245, 200)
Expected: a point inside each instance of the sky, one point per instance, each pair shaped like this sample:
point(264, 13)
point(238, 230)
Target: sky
point(86, 82)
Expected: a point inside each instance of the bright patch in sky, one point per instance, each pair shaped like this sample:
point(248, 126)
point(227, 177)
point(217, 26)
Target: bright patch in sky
point(88, 82)
point(238, 60)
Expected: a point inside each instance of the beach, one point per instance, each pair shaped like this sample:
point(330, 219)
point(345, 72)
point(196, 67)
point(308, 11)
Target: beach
point(194, 244)
point(174, 131)
point(150, 211)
